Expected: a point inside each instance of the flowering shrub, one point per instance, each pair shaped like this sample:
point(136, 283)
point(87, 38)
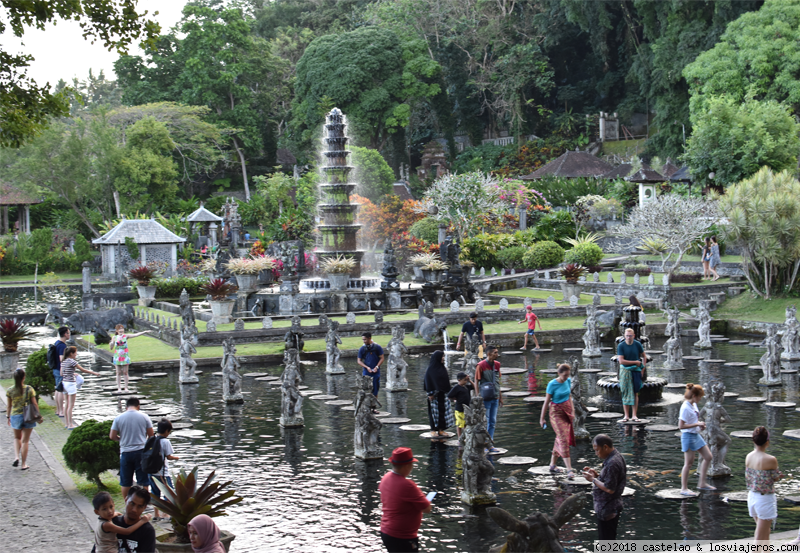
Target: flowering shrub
point(391, 216)
point(517, 195)
point(257, 249)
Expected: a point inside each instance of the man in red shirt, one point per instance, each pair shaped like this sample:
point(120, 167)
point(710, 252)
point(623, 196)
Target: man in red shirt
point(403, 504)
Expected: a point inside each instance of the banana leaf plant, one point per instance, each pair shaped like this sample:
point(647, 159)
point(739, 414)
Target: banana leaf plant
point(188, 500)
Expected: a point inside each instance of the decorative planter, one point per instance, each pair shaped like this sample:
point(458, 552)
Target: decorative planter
point(147, 294)
point(222, 310)
point(9, 361)
point(164, 547)
point(432, 276)
point(640, 272)
point(247, 282)
point(570, 289)
point(418, 274)
point(267, 276)
point(338, 280)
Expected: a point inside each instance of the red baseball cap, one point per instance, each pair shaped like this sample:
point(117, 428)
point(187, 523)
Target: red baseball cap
point(401, 456)
point(529, 307)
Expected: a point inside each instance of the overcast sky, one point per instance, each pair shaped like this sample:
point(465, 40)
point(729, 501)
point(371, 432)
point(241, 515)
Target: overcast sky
point(61, 52)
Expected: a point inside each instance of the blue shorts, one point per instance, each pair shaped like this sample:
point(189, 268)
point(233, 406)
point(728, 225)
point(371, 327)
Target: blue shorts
point(130, 462)
point(154, 489)
point(530, 332)
point(18, 422)
point(57, 375)
point(691, 441)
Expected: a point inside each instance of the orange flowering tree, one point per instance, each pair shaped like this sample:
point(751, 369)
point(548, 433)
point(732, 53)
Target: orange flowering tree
point(388, 217)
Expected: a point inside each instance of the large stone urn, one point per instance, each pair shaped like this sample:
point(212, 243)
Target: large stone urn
point(222, 310)
point(247, 283)
point(338, 281)
point(147, 295)
point(9, 361)
point(571, 288)
point(432, 276)
point(165, 547)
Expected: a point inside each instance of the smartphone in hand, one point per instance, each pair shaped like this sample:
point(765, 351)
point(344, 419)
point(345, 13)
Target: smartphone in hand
point(430, 496)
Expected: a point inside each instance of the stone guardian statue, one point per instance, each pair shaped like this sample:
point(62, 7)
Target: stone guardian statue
point(368, 427)
point(396, 377)
point(332, 352)
point(714, 414)
point(187, 317)
point(791, 336)
point(771, 360)
point(704, 327)
point(188, 365)
point(673, 347)
point(291, 400)
point(591, 338)
point(478, 471)
point(231, 379)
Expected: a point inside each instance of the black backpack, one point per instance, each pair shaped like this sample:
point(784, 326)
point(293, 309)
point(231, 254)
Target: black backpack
point(488, 387)
point(52, 358)
point(152, 458)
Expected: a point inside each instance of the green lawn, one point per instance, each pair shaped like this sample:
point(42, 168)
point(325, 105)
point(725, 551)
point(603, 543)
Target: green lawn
point(540, 294)
point(724, 258)
point(748, 308)
point(7, 278)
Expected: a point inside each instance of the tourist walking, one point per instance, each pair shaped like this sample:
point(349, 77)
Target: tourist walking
point(122, 359)
point(402, 504)
point(559, 400)
point(714, 260)
point(70, 381)
point(131, 429)
point(142, 540)
point(531, 319)
point(204, 535)
point(705, 258)
point(760, 473)
point(470, 328)
point(607, 487)
point(55, 355)
point(370, 357)
point(162, 453)
point(631, 358)
point(105, 533)
point(17, 397)
point(461, 394)
point(487, 385)
point(691, 441)
point(437, 386)
point(634, 301)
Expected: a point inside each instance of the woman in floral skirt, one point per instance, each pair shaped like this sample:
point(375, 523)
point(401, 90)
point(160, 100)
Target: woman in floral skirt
point(119, 345)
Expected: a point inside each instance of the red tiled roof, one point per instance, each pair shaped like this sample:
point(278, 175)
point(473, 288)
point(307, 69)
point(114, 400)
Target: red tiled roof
point(11, 195)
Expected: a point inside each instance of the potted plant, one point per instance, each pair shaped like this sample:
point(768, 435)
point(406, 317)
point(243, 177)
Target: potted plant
point(637, 268)
point(571, 287)
point(187, 501)
point(419, 260)
point(432, 271)
point(208, 266)
point(221, 307)
point(12, 332)
point(247, 270)
point(143, 275)
point(337, 270)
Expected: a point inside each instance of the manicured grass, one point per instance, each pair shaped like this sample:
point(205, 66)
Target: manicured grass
point(724, 258)
point(7, 278)
point(541, 294)
point(746, 307)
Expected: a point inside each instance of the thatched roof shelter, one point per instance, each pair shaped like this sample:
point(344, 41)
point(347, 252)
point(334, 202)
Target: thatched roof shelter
point(572, 165)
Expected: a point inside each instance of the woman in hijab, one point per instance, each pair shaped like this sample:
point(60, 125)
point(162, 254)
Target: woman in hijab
point(437, 385)
point(204, 535)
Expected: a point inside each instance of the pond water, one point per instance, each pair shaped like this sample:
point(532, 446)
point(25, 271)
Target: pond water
point(21, 300)
point(304, 490)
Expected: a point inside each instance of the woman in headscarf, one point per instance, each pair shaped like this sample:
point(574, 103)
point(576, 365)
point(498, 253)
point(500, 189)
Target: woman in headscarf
point(204, 535)
point(437, 385)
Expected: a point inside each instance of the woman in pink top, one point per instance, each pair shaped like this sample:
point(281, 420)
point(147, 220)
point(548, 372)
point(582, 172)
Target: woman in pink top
point(531, 319)
point(761, 472)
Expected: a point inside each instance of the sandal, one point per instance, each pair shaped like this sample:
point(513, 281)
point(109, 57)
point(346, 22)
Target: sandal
point(626, 419)
point(555, 470)
point(570, 474)
point(688, 493)
point(707, 488)
point(15, 463)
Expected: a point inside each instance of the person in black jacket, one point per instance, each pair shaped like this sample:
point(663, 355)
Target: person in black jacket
point(461, 394)
point(437, 385)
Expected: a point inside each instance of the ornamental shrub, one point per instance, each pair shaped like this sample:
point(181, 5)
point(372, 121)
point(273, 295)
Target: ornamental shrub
point(543, 255)
point(555, 227)
point(511, 258)
point(173, 286)
point(38, 374)
point(132, 247)
point(89, 452)
point(83, 252)
point(587, 255)
point(426, 229)
point(482, 249)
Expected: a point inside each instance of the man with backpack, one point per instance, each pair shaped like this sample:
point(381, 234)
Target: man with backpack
point(157, 451)
point(131, 429)
point(55, 355)
point(487, 385)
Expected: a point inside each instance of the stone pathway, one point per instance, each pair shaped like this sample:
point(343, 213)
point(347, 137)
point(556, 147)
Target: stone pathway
point(36, 506)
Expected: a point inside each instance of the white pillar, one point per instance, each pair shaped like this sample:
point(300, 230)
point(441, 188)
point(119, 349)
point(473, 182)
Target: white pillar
point(111, 260)
point(142, 255)
point(28, 219)
point(174, 259)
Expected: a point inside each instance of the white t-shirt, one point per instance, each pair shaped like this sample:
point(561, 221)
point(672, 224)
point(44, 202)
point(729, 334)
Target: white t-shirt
point(689, 415)
point(166, 449)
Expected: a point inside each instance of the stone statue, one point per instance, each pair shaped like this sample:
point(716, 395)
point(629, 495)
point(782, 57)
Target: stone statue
point(673, 347)
point(427, 327)
point(378, 317)
point(187, 316)
point(188, 365)
point(396, 365)
point(428, 309)
point(84, 321)
point(238, 325)
point(291, 400)
point(472, 345)
point(101, 335)
point(368, 427)
point(478, 471)
point(704, 328)
point(266, 323)
point(771, 361)
point(578, 404)
point(389, 271)
point(323, 320)
point(791, 336)
point(231, 379)
point(714, 414)
point(539, 532)
point(211, 326)
point(332, 353)
point(591, 338)
point(294, 336)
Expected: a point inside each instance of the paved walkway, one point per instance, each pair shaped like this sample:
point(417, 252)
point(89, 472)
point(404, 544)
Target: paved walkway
point(42, 510)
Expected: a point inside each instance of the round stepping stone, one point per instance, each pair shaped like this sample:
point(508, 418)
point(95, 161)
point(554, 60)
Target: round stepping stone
point(505, 389)
point(549, 371)
point(606, 349)
point(445, 436)
point(198, 372)
point(453, 443)
point(322, 397)
point(792, 434)
point(415, 427)
point(339, 402)
point(267, 378)
point(788, 371)
point(544, 350)
point(655, 352)
point(380, 414)
point(255, 375)
point(577, 481)
point(571, 349)
point(735, 497)
point(642, 422)
point(752, 399)
point(181, 425)
point(692, 358)
point(607, 373)
point(535, 399)
point(663, 428)
point(517, 460)
point(275, 382)
point(675, 386)
point(218, 373)
point(628, 492)
point(755, 367)
point(109, 388)
point(673, 493)
point(154, 375)
point(517, 394)
point(499, 451)
point(592, 409)
point(716, 335)
point(742, 434)
point(781, 404)
point(145, 401)
point(739, 342)
point(128, 393)
point(731, 394)
point(715, 361)
point(606, 416)
point(511, 352)
point(720, 339)
point(302, 387)
point(591, 371)
point(505, 371)
point(544, 470)
point(189, 433)
point(134, 378)
point(395, 420)
point(735, 364)
point(348, 408)
point(306, 393)
point(755, 344)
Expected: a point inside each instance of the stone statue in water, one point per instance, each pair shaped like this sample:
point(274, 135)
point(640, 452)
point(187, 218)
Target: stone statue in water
point(478, 471)
point(578, 404)
point(187, 317)
point(368, 427)
point(673, 347)
point(771, 360)
point(332, 353)
point(591, 338)
point(538, 532)
point(294, 336)
point(704, 327)
point(291, 400)
point(791, 336)
point(714, 414)
point(231, 379)
point(188, 365)
point(396, 377)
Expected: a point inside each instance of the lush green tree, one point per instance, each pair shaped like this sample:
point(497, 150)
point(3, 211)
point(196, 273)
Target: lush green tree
point(89, 452)
point(734, 138)
point(763, 213)
point(370, 74)
point(82, 248)
point(26, 107)
point(373, 174)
